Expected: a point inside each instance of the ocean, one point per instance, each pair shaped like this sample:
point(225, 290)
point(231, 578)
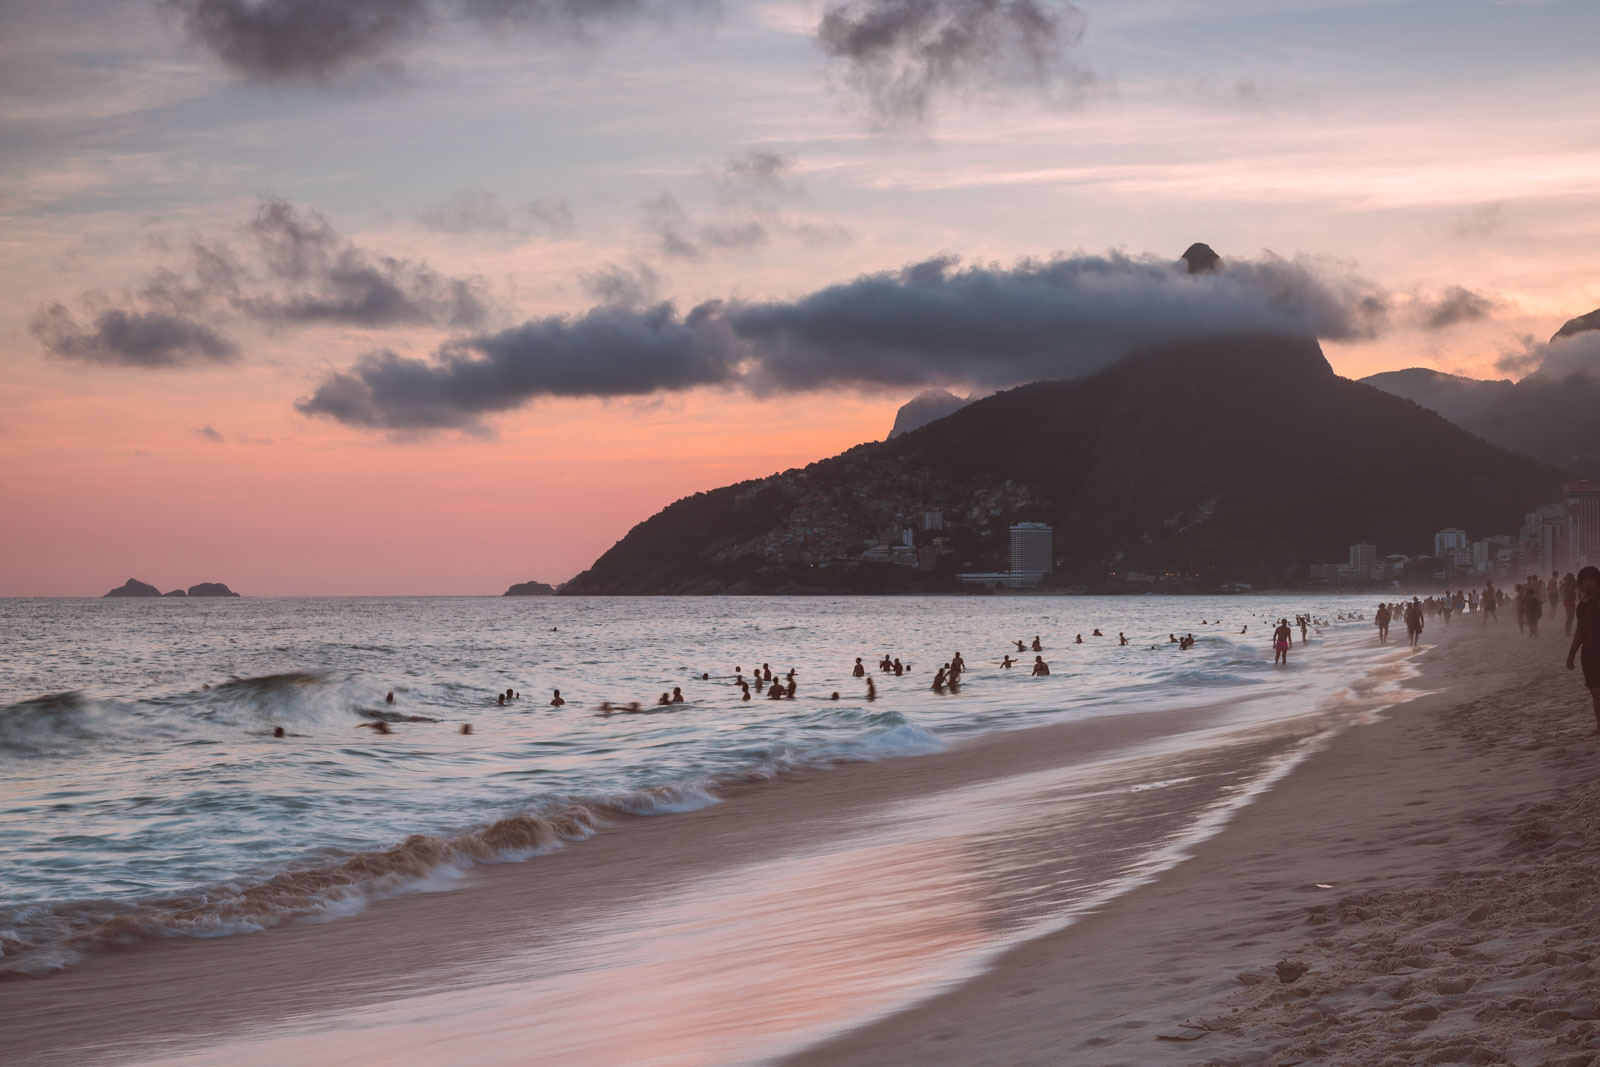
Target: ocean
point(143, 795)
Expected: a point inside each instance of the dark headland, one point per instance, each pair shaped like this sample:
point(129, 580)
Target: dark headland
point(1221, 459)
point(530, 589)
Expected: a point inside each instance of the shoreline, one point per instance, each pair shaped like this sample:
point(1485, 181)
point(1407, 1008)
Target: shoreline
point(408, 947)
point(1184, 969)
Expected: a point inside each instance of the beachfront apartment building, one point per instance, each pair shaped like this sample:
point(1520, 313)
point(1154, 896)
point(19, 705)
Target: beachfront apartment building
point(1448, 541)
point(1583, 523)
point(1032, 549)
point(1363, 558)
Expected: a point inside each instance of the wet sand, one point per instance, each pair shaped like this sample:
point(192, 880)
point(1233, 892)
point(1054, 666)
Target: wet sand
point(733, 933)
point(1459, 841)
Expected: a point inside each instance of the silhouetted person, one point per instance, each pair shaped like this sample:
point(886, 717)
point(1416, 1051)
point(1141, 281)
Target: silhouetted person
point(1586, 639)
point(1535, 607)
point(858, 670)
point(774, 692)
point(1303, 622)
point(1414, 621)
point(677, 695)
point(898, 668)
point(390, 698)
point(1383, 617)
point(556, 701)
point(745, 688)
point(379, 727)
point(938, 679)
point(1037, 647)
point(1097, 632)
point(1281, 637)
point(1040, 667)
point(1122, 638)
point(1021, 647)
point(872, 690)
point(466, 727)
point(835, 695)
point(664, 700)
point(277, 731)
point(1079, 640)
point(793, 685)
point(766, 672)
point(1007, 662)
point(511, 694)
point(500, 699)
point(1490, 599)
point(705, 677)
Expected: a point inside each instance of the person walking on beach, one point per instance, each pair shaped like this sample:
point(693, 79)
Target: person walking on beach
point(1586, 641)
point(1535, 607)
point(1414, 621)
point(1490, 599)
point(1281, 639)
point(1383, 624)
point(1569, 598)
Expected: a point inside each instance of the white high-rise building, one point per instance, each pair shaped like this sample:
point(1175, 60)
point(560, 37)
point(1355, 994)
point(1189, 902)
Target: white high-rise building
point(1583, 523)
point(1363, 558)
point(1446, 541)
point(1032, 549)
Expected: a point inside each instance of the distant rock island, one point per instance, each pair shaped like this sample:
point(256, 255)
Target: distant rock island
point(531, 589)
point(134, 587)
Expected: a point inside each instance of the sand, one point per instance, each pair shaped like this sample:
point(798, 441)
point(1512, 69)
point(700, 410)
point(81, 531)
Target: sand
point(1456, 837)
point(1460, 840)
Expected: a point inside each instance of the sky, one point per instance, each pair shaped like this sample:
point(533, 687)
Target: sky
point(327, 297)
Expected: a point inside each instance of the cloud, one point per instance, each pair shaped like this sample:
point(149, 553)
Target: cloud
point(933, 323)
point(679, 236)
point(607, 352)
point(1552, 361)
point(209, 433)
point(302, 40)
point(1455, 305)
point(757, 178)
point(286, 267)
point(480, 211)
point(618, 286)
point(904, 56)
point(120, 337)
point(320, 40)
point(1480, 220)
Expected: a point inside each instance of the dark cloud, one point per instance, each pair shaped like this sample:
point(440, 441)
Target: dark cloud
point(1456, 304)
point(319, 40)
point(757, 178)
point(680, 236)
point(1552, 361)
point(607, 352)
point(287, 266)
point(480, 211)
point(904, 55)
point(302, 40)
point(1520, 358)
point(209, 433)
point(131, 338)
point(933, 323)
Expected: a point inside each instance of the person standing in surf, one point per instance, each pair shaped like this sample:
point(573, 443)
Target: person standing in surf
point(1383, 624)
point(1282, 637)
point(1586, 641)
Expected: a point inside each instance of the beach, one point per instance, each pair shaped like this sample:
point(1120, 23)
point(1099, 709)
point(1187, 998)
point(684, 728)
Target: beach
point(1407, 841)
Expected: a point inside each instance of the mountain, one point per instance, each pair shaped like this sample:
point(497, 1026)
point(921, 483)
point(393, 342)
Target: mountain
point(1457, 398)
point(1241, 458)
point(925, 407)
point(1553, 414)
point(530, 589)
point(134, 587)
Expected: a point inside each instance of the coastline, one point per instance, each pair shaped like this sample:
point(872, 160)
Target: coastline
point(1418, 951)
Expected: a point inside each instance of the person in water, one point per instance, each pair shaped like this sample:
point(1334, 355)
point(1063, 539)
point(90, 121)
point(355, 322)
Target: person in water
point(835, 695)
point(1037, 647)
point(390, 698)
point(677, 695)
point(1040, 667)
point(1281, 639)
point(556, 701)
point(500, 700)
point(1122, 638)
point(1383, 617)
point(793, 685)
point(1585, 646)
point(1021, 647)
point(1097, 632)
point(899, 669)
point(466, 727)
point(664, 700)
point(774, 692)
point(858, 670)
point(379, 727)
point(278, 731)
point(1079, 640)
point(872, 690)
point(1414, 621)
point(938, 680)
point(1007, 662)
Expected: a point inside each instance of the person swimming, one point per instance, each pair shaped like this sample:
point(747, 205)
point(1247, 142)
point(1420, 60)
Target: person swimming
point(500, 700)
point(664, 700)
point(379, 727)
point(872, 690)
point(1079, 641)
point(1040, 667)
point(1097, 632)
point(677, 695)
point(556, 701)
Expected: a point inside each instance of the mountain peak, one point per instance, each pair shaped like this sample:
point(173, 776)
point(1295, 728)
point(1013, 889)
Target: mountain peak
point(1202, 259)
point(1581, 324)
point(927, 406)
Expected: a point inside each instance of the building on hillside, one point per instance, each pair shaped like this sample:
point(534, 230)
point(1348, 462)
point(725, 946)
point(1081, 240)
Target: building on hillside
point(933, 520)
point(1032, 550)
point(1583, 523)
point(1445, 541)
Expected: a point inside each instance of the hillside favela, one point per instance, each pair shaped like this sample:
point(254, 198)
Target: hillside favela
point(813, 533)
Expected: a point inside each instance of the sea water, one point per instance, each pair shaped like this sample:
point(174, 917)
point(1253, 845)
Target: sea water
point(142, 792)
